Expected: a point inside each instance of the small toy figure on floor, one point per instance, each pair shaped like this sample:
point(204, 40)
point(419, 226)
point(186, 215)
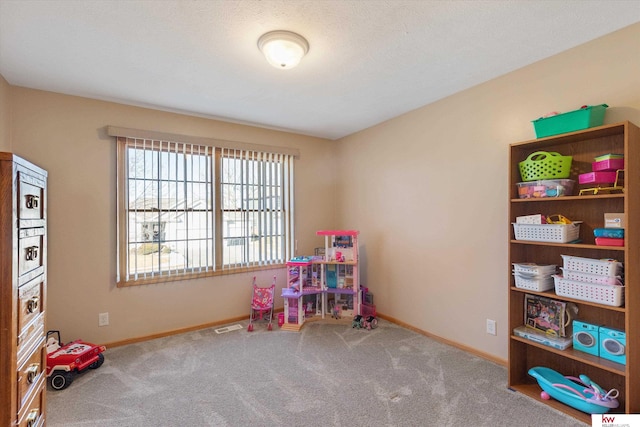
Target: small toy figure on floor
point(335, 311)
point(357, 322)
point(309, 309)
point(370, 323)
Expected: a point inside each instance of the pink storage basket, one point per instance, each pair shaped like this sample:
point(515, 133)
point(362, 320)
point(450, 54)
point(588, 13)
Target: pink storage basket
point(607, 165)
point(597, 178)
point(609, 241)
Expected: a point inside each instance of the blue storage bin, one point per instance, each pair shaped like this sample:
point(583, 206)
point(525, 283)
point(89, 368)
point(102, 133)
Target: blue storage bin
point(612, 233)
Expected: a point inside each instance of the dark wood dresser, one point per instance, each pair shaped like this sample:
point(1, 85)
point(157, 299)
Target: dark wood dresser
point(23, 291)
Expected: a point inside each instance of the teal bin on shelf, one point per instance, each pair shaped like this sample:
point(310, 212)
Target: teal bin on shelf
point(583, 118)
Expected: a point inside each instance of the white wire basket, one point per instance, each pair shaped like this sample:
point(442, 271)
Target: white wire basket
point(533, 283)
point(604, 267)
point(591, 278)
point(554, 233)
point(603, 294)
point(531, 268)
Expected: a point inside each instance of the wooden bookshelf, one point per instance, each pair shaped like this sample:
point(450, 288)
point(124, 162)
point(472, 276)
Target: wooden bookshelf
point(583, 146)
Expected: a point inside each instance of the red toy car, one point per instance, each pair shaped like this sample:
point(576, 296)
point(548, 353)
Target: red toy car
point(64, 362)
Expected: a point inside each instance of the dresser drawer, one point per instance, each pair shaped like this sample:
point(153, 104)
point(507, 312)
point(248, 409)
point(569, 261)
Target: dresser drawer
point(29, 337)
point(33, 413)
point(31, 203)
point(31, 372)
point(30, 253)
point(30, 302)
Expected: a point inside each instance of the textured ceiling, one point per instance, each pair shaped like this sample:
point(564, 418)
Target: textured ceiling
point(369, 60)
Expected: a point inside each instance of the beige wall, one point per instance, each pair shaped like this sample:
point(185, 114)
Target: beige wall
point(5, 119)
point(428, 189)
point(65, 135)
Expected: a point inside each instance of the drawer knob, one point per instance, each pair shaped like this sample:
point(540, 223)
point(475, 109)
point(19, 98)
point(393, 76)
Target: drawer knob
point(31, 253)
point(31, 201)
point(32, 372)
point(32, 305)
point(32, 418)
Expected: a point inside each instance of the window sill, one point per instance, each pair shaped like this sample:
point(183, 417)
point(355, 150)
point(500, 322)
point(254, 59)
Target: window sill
point(183, 277)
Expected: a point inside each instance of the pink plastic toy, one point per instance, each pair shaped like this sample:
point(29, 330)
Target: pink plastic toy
point(261, 303)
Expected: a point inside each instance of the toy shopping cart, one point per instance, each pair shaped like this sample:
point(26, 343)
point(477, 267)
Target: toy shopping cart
point(261, 304)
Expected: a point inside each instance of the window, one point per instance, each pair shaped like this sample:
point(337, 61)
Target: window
point(188, 210)
point(252, 201)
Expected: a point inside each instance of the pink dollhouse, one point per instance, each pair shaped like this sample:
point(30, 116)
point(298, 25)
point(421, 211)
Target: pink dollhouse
point(324, 287)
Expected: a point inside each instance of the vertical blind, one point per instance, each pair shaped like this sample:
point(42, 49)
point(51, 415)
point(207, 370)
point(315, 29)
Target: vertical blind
point(168, 200)
point(186, 209)
point(257, 207)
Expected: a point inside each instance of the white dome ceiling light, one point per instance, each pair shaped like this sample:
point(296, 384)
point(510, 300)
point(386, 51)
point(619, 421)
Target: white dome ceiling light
point(283, 49)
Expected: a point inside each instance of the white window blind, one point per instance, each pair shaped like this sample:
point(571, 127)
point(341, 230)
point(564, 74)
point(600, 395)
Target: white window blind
point(168, 203)
point(188, 210)
point(257, 207)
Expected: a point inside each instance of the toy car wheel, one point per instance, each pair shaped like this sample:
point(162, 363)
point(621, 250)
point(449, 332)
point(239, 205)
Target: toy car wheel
point(61, 379)
point(97, 363)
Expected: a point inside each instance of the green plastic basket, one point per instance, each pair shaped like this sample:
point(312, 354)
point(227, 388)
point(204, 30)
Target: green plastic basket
point(545, 165)
point(583, 118)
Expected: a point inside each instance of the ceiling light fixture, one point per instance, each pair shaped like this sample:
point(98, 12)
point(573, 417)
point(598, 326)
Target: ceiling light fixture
point(283, 49)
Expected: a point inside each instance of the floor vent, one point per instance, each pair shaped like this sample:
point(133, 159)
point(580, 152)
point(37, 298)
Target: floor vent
point(228, 329)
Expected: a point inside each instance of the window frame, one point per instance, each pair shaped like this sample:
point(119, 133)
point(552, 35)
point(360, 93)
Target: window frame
point(125, 278)
point(268, 170)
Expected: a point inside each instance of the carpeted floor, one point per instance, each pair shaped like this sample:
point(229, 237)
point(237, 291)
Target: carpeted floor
point(324, 375)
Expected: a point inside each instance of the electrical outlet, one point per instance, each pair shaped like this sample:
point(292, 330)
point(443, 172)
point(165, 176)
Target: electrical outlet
point(103, 319)
point(491, 327)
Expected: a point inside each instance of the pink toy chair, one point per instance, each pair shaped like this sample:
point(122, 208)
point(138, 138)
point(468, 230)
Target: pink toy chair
point(261, 303)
